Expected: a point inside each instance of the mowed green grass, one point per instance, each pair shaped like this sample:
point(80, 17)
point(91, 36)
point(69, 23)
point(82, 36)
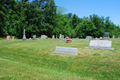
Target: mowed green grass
point(36, 60)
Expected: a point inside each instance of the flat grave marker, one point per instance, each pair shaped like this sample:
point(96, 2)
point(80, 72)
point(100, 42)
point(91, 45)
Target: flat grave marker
point(66, 50)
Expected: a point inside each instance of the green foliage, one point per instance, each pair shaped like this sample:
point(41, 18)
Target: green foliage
point(44, 17)
point(86, 27)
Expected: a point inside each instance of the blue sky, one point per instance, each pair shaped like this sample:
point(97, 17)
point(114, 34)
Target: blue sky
point(85, 8)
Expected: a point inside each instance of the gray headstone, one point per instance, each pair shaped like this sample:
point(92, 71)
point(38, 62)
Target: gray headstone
point(88, 37)
point(53, 36)
point(34, 37)
point(13, 38)
point(60, 36)
point(113, 36)
point(101, 44)
point(24, 37)
point(43, 36)
point(106, 35)
point(66, 50)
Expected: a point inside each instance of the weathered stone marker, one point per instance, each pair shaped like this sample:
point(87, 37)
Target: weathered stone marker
point(100, 44)
point(88, 37)
point(43, 36)
point(106, 35)
point(24, 37)
point(66, 50)
point(34, 37)
point(8, 38)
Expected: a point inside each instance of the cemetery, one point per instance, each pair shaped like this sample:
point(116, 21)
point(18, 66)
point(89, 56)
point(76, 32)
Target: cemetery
point(58, 58)
point(40, 40)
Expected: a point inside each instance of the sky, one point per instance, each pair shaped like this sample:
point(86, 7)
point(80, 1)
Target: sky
point(85, 8)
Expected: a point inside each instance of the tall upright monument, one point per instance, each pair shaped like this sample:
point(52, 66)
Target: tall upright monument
point(24, 37)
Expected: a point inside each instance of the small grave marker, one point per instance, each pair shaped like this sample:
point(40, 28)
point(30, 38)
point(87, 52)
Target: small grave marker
point(8, 38)
point(106, 35)
point(43, 36)
point(24, 37)
point(34, 37)
point(88, 37)
point(66, 50)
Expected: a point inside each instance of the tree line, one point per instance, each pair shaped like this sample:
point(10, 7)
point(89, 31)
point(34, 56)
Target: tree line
point(44, 17)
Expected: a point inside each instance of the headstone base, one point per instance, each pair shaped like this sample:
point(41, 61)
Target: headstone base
point(102, 48)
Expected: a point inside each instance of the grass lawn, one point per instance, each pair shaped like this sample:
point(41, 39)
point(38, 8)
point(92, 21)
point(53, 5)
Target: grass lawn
point(35, 60)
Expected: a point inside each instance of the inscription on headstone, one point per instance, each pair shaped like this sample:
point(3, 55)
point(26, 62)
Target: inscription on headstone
point(66, 50)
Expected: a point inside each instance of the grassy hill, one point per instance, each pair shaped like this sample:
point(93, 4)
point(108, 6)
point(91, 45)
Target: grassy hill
point(35, 60)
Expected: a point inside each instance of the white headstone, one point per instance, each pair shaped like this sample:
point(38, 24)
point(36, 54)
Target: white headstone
point(43, 36)
point(101, 38)
point(53, 36)
point(101, 44)
point(60, 36)
point(66, 50)
point(13, 38)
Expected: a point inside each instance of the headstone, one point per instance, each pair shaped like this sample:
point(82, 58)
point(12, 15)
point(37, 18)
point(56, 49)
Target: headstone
point(43, 36)
point(96, 38)
point(24, 37)
point(29, 38)
point(60, 36)
point(106, 35)
point(8, 38)
point(101, 44)
point(101, 38)
point(56, 36)
point(13, 38)
point(53, 36)
point(66, 50)
point(34, 37)
point(88, 37)
point(113, 36)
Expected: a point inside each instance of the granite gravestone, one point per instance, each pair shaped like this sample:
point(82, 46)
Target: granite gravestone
point(101, 44)
point(8, 38)
point(60, 36)
point(113, 36)
point(13, 38)
point(43, 36)
point(88, 37)
point(66, 50)
point(24, 37)
point(53, 36)
point(34, 37)
point(106, 35)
